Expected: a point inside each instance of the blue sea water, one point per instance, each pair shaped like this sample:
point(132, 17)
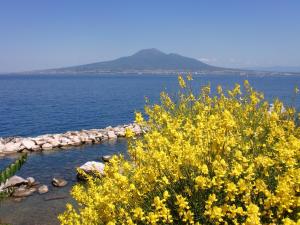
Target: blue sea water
point(32, 105)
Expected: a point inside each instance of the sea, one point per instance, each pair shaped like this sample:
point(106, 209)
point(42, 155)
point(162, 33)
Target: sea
point(32, 105)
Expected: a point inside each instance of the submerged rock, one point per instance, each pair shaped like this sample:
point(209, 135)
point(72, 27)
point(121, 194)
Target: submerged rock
point(59, 182)
point(23, 192)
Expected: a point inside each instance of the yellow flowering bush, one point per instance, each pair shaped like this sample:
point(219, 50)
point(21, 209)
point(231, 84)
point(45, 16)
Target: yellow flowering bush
point(223, 159)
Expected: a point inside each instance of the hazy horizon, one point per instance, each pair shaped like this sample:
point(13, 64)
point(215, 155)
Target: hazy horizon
point(41, 35)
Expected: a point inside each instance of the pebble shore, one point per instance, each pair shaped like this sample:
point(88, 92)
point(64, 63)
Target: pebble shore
point(45, 142)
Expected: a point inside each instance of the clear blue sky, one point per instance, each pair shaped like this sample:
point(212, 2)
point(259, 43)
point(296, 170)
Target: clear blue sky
point(36, 34)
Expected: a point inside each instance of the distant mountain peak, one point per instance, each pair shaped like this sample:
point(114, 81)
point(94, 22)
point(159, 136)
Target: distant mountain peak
point(149, 51)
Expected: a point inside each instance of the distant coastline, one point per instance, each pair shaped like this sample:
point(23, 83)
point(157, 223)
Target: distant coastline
point(154, 62)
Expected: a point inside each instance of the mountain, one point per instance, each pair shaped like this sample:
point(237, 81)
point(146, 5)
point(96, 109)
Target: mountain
point(144, 61)
point(153, 61)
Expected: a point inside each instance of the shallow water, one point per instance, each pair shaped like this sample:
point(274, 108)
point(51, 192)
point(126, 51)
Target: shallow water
point(43, 166)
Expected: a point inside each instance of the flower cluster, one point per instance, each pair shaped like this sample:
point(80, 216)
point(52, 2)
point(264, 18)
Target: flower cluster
point(222, 159)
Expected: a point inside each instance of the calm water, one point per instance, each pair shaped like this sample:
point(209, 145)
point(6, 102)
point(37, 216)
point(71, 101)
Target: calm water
point(33, 105)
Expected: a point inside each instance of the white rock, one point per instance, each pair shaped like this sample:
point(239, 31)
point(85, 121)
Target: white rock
point(59, 182)
point(30, 180)
point(12, 147)
point(28, 144)
point(106, 158)
point(76, 141)
point(36, 148)
point(93, 166)
point(55, 143)
point(111, 134)
point(43, 189)
point(2, 147)
point(137, 129)
point(47, 146)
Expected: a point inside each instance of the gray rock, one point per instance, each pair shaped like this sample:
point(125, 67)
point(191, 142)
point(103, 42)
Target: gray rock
point(59, 182)
point(43, 189)
point(14, 181)
point(23, 192)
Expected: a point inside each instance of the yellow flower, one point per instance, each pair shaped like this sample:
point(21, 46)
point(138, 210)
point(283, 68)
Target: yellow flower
point(181, 82)
point(223, 159)
point(139, 118)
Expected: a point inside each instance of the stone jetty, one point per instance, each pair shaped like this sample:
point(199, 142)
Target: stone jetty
point(71, 138)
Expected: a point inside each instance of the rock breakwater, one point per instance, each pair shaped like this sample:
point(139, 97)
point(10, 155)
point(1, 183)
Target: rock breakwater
point(71, 138)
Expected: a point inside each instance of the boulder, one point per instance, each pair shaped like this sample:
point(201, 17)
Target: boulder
point(54, 142)
point(47, 146)
point(111, 134)
point(31, 181)
point(92, 168)
point(28, 144)
point(137, 129)
point(14, 181)
point(12, 147)
point(59, 182)
point(36, 148)
point(43, 189)
point(106, 158)
point(2, 147)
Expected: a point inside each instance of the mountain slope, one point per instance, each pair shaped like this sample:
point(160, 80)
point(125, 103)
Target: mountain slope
point(147, 60)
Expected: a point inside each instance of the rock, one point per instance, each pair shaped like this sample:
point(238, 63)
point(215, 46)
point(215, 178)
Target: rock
point(2, 147)
point(23, 192)
point(59, 182)
point(92, 168)
point(111, 134)
point(36, 148)
point(47, 146)
point(43, 189)
point(31, 181)
point(12, 147)
point(106, 158)
point(137, 129)
point(14, 181)
point(28, 144)
point(54, 142)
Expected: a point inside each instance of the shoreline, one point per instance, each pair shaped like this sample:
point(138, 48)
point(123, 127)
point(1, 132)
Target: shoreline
point(46, 142)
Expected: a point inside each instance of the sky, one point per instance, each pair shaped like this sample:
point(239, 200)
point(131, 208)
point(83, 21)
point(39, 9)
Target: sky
point(40, 34)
